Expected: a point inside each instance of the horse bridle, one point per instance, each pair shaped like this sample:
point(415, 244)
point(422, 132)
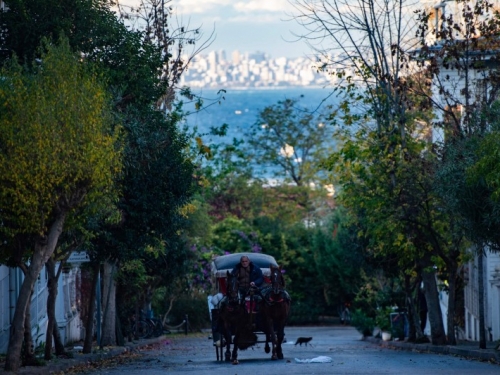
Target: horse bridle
point(233, 293)
point(276, 286)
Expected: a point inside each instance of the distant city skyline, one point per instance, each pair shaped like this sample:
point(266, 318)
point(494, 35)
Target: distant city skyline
point(239, 69)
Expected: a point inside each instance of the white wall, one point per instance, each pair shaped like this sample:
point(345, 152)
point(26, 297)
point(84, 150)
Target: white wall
point(67, 314)
point(493, 292)
point(492, 298)
point(4, 308)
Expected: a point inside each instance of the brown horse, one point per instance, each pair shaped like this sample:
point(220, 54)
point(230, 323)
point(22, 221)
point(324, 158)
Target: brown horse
point(235, 320)
point(275, 311)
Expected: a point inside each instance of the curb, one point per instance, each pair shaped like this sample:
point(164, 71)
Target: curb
point(490, 355)
point(60, 366)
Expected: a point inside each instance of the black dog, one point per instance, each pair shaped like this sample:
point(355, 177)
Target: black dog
point(303, 340)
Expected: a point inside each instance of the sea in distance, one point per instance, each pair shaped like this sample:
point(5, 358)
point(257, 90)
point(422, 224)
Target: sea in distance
point(239, 109)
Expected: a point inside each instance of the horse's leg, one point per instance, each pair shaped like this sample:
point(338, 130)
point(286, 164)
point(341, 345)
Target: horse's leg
point(272, 334)
point(267, 332)
point(281, 329)
point(267, 329)
point(234, 356)
point(267, 348)
point(273, 338)
point(281, 335)
point(264, 325)
point(227, 338)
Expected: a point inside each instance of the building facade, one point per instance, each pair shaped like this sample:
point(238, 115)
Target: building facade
point(491, 282)
point(67, 305)
point(480, 87)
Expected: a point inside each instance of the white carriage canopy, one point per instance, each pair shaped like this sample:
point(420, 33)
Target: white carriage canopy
point(224, 263)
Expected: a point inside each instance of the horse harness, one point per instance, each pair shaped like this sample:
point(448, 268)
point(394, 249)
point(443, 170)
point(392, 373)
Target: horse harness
point(275, 293)
point(233, 299)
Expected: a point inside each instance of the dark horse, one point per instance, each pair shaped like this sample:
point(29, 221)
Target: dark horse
point(235, 320)
point(275, 310)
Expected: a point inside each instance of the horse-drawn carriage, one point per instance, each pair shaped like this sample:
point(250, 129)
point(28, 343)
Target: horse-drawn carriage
point(245, 319)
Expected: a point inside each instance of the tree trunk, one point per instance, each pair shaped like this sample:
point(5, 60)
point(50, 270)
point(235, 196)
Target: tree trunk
point(52, 328)
point(12, 361)
point(89, 324)
point(148, 299)
point(44, 248)
point(438, 336)
point(29, 348)
point(480, 287)
point(137, 318)
point(419, 334)
point(108, 337)
point(415, 334)
point(58, 344)
point(50, 266)
point(410, 309)
point(452, 284)
point(120, 339)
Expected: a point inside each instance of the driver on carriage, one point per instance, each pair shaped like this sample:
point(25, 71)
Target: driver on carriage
point(248, 275)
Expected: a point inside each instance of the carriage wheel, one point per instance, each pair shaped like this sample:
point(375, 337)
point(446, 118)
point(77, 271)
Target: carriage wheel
point(218, 348)
point(141, 329)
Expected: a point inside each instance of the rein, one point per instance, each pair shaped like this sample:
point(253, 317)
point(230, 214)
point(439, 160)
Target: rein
point(276, 293)
point(233, 296)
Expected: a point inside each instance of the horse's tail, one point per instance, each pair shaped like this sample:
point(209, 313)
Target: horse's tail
point(246, 338)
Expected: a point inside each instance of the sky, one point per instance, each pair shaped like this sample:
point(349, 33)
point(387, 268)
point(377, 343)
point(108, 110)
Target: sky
point(244, 25)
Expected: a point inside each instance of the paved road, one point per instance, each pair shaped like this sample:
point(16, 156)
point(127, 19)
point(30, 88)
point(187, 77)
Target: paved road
point(349, 354)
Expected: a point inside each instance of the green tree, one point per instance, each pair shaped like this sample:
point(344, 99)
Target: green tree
point(466, 85)
point(158, 182)
point(373, 37)
point(290, 141)
point(93, 31)
point(88, 24)
point(389, 192)
point(466, 183)
point(58, 153)
point(142, 67)
point(338, 259)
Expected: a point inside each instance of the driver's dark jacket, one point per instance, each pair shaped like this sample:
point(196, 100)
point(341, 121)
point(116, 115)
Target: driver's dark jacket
point(256, 275)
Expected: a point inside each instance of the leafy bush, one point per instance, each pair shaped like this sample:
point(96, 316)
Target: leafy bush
point(383, 319)
point(363, 323)
point(303, 313)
